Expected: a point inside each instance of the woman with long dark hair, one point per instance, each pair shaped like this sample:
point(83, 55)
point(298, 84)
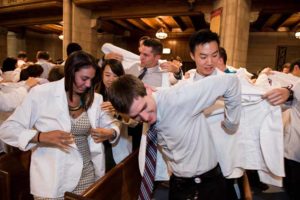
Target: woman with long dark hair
point(114, 153)
point(63, 125)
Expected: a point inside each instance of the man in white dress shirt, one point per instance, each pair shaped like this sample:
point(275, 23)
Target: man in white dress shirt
point(183, 132)
point(154, 76)
point(43, 60)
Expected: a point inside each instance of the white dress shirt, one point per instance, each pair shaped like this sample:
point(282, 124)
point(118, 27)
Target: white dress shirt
point(46, 67)
point(184, 134)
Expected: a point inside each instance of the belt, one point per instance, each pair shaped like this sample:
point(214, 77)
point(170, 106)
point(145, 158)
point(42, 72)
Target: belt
point(209, 175)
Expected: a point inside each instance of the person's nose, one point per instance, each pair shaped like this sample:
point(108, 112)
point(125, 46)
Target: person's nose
point(209, 60)
point(88, 83)
point(144, 116)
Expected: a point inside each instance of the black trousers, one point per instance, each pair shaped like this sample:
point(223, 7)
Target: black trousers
point(291, 181)
point(208, 186)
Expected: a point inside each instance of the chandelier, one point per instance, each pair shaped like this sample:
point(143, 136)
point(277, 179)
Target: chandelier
point(297, 35)
point(161, 34)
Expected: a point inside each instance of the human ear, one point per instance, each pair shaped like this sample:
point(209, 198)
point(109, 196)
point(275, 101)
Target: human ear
point(192, 56)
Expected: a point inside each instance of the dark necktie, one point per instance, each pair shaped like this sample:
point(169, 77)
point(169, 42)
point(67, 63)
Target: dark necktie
point(141, 76)
point(147, 183)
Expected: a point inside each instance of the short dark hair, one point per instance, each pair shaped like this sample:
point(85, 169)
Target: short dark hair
point(72, 47)
point(43, 55)
point(22, 54)
point(33, 70)
point(156, 45)
point(293, 63)
point(223, 54)
point(76, 61)
point(116, 67)
point(56, 73)
point(201, 37)
point(143, 38)
point(124, 90)
point(9, 64)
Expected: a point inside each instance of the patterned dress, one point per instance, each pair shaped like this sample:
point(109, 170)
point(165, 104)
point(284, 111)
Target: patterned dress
point(80, 129)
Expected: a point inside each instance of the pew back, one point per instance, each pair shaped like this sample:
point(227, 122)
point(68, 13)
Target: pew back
point(122, 182)
point(14, 176)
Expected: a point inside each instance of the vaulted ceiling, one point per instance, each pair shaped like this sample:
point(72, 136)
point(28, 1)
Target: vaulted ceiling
point(177, 17)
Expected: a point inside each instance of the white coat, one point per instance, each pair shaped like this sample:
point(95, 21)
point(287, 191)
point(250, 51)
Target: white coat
point(52, 171)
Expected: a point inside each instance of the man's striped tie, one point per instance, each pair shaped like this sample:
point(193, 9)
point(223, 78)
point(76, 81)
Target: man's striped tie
point(146, 188)
point(141, 76)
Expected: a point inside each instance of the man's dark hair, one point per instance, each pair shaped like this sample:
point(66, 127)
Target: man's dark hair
point(22, 54)
point(223, 54)
point(143, 38)
point(56, 73)
point(72, 47)
point(293, 63)
point(201, 37)
point(34, 70)
point(43, 55)
point(124, 90)
point(76, 61)
point(156, 45)
point(9, 64)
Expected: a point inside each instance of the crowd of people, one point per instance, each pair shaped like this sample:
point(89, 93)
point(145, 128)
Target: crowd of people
point(211, 124)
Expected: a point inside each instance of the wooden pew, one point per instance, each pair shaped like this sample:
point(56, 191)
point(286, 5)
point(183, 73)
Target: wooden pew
point(14, 176)
point(120, 183)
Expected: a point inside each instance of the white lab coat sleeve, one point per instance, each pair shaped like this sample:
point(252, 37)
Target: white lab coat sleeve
point(107, 121)
point(18, 130)
point(9, 101)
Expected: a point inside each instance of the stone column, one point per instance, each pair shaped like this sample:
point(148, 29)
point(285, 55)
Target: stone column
point(234, 30)
point(67, 26)
point(3, 43)
point(84, 29)
point(12, 44)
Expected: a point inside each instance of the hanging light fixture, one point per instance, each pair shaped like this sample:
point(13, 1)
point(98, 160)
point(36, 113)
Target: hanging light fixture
point(297, 34)
point(161, 34)
point(61, 36)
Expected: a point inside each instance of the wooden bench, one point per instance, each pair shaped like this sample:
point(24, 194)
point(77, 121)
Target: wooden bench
point(120, 183)
point(14, 176)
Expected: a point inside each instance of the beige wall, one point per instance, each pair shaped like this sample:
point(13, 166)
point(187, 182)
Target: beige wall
point(262, 49)
point(46, 42)
point(32, 42)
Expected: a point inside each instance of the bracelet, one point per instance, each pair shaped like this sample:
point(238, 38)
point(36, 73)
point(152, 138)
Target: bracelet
point(114, 135)
point(291, 96)
point(38, 137)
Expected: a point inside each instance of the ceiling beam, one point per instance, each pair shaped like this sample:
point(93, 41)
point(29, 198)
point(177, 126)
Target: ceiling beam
point(108, 27)
point(139, 24)
point(259, 23)
point(199, 22)
point(180, 23)
point(30, 21)
point(275, 6)
point(153, 10)
point(281, 20)
point(31, 5)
